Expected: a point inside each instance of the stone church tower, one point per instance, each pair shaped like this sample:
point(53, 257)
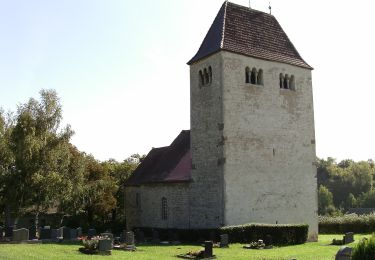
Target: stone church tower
point(249, 156)
point(252, 125)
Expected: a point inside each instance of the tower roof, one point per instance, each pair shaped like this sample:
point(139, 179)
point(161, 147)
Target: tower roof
point(249, 32)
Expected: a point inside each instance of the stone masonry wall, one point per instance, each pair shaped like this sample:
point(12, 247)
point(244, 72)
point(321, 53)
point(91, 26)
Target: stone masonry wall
point(269, 145)
point(148, 212)
point(206, 194)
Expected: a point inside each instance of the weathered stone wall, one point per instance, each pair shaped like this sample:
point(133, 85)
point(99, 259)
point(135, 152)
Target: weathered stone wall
point(148, 212)
point(269, 145)
point(206, 194)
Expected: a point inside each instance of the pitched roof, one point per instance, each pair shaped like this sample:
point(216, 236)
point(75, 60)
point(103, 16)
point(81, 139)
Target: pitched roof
point(165, 164)
point(246, 31)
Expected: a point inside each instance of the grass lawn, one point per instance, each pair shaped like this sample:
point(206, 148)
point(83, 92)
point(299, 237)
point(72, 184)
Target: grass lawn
point(314, 251)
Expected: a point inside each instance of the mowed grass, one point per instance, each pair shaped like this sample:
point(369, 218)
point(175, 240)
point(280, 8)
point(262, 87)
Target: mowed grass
point(315, 251)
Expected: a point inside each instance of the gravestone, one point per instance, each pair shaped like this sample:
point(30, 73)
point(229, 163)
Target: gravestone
point(1, 232)
point(21, 234)
point(56, 234)
point(224, 240)
point(348, 238)
point(129, 240)
point(268, 241)
point(66, 233)
point(155, 236)
point(139, 236)
point(45, 233)
point(79, 232)
point(208, 248)
point(73, 233)
point(32, 233)
point(91, 232)
point(345, 253)
point(9, 231)
point(105, 245)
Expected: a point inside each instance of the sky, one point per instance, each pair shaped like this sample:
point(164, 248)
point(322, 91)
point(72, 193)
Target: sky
point(119, 67)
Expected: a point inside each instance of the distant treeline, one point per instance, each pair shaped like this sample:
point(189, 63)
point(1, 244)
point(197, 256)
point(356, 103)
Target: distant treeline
point(345, 185)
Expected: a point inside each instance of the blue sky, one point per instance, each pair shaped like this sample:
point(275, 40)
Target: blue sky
point(120, 69)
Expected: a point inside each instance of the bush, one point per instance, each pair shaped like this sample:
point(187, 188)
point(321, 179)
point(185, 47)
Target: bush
point(347, 223)
point(365, 249)
point(282, 234)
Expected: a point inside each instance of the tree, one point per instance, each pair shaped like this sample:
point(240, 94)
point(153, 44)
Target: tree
point(41, 156)
point(325, 200)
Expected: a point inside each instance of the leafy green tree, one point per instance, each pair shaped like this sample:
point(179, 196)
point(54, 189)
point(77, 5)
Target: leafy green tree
point(41, 156)
point(325, 200)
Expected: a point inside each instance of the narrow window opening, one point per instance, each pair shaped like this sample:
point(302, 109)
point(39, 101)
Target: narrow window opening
point(210, 74)
point(286, 85)
point(201, 79)
point(260, 77)
point(281, 80)
point(164, 208)
point(247, 72)
point(253, 76)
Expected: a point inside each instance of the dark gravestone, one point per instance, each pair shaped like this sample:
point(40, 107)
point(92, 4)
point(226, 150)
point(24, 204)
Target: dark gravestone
point(56, 234)
point(268, 240)
point(155, 236)
point(105, 245)
point(348, 238)
point(20, 235)
point(32, 233)
point(224, 240)
point(66, 233)
point(8, 231)
point(45, 233)
point(208, 248)
point(91, 232)
point(345, 253)
point(139, 236)
point(1, 232)
point(73, 233)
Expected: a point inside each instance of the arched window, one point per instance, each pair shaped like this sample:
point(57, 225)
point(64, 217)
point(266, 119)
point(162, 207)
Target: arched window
point(206, 77)
point(247, 73)
point(281, 80)
point(201, 79)
point(260, 77)
point(286, 81)
point(291, 83)
point(253, 78)
point(164, 209)
point(210, 74)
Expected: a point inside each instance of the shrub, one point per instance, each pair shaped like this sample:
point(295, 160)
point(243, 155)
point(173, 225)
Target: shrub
point(365, 249)
point(347, 223)
point(283, 234)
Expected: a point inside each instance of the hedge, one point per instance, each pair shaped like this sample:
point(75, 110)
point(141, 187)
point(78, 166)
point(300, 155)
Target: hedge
point(347, 223)
point(282, 234)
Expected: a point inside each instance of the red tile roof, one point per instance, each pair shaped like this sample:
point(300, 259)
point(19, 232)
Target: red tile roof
point(168, 164)
point(246, 31)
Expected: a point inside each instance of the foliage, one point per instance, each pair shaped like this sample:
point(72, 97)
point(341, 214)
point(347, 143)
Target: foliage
point(282, 234)
point(365, 249)
point(347, 223)
point(349, 182)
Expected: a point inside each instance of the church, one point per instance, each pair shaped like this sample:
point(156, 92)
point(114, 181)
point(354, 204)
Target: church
point(249, 156)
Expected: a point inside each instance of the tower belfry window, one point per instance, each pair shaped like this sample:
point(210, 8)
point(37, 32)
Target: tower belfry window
point(286, 82)
point(254, 76)
point(247, 75)
point(205, 76)
point(253, 79)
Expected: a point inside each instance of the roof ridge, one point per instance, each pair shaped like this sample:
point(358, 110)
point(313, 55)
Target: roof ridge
point(223, 31)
